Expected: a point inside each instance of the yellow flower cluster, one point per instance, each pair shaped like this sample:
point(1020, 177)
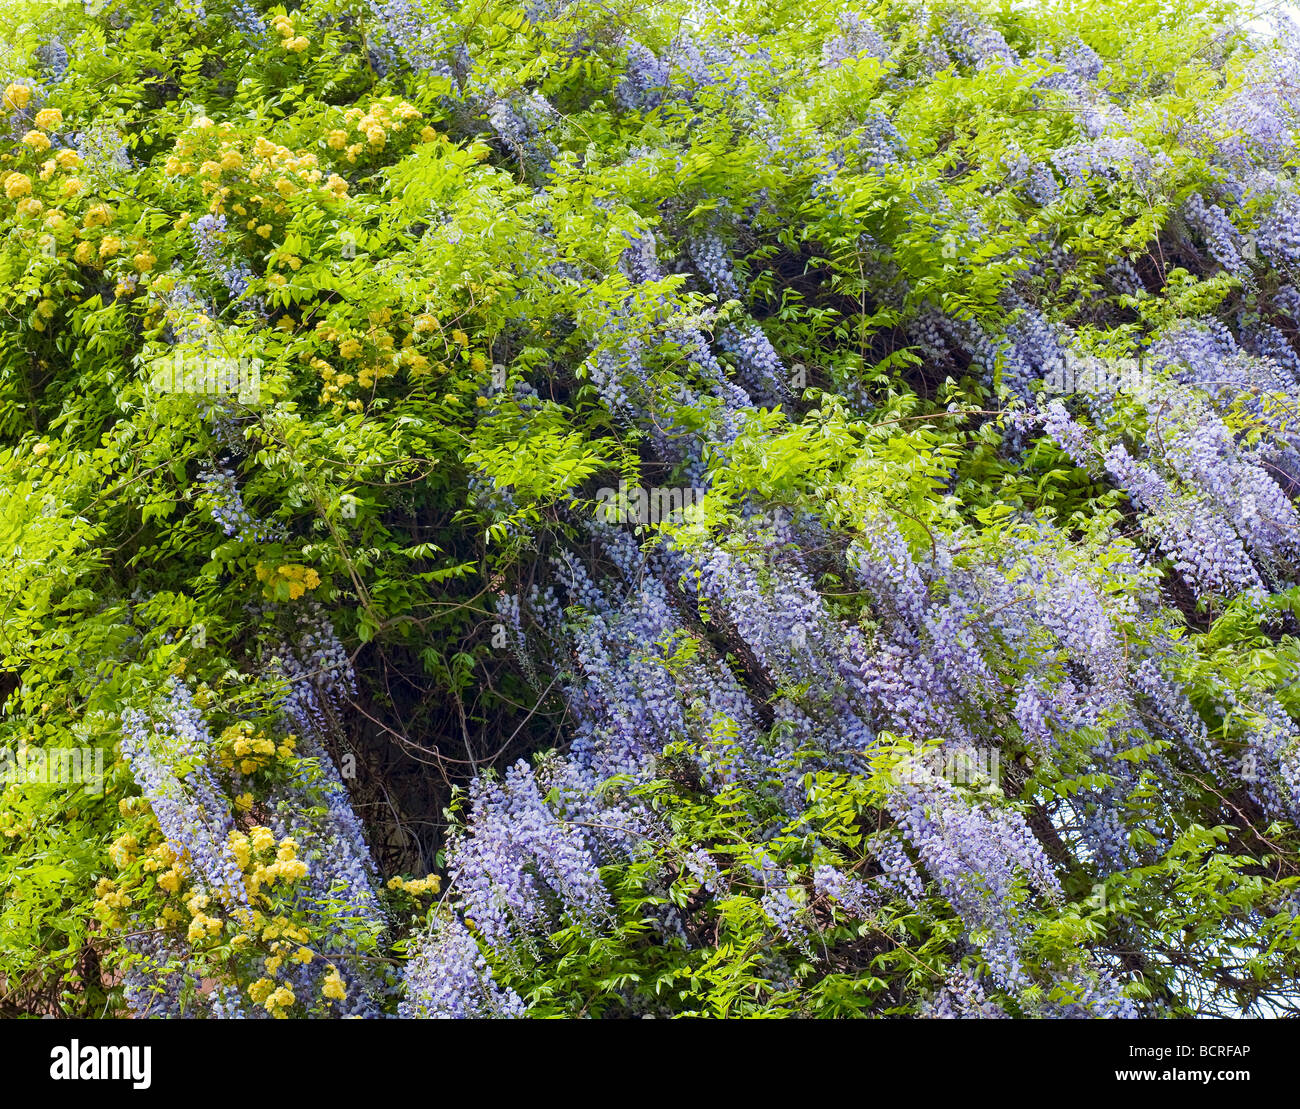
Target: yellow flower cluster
point(287, 943)
point(17, 97)
point(289, 38)
point(164, 854)
point(97, 215)
point(92, 243)
point(44, 311)
point(276, 998)
point(283, 929)
point(271, 926)
point(201, 926)
point(333, 987)
point(122, 853)
point(17, 185)
point(286, 867)
point(298, 579)
point(430, 884)
point(174, 869)
point(375, 350)
point(242, 746)
point(384, 117)
point(110, 901)
point(252, 184)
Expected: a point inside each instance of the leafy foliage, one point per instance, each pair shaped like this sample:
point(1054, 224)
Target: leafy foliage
point(644, 472)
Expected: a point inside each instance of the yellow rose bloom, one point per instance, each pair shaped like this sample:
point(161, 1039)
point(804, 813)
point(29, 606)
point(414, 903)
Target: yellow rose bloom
point(98, 215)
point(109, 246)
point(30, 207)
point(16, 97)
point(144, 261)
point(297, 45)
point(333, 987)
point(281, 999)
point(37, 141)
point(68, 159)
point(17, 185)
point(72, 187)
point(260, 990)
point(48, 118)
point(84, 254)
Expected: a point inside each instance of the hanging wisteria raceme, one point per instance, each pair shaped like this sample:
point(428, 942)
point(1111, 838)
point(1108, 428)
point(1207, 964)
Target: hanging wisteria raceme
point(712, 263)
point(1186, 525)
point(318, 679)
point(759, 367)
point(170, 756)
point(159, 984)
point(646, 79)
point(856, 38)
point(226, 506)
point(1201, 543)
point(209, 232)
point(54, 57)
point(979, 858)
point(521, 857)
point(1256, 124)
point(448, 977)
point(413, 34)
point(1221, 237)
point(961, 998)
point(1203, 452)
point(521, 125)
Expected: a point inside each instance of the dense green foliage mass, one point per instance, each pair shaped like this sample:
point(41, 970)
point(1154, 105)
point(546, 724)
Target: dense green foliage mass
point(936, 698)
